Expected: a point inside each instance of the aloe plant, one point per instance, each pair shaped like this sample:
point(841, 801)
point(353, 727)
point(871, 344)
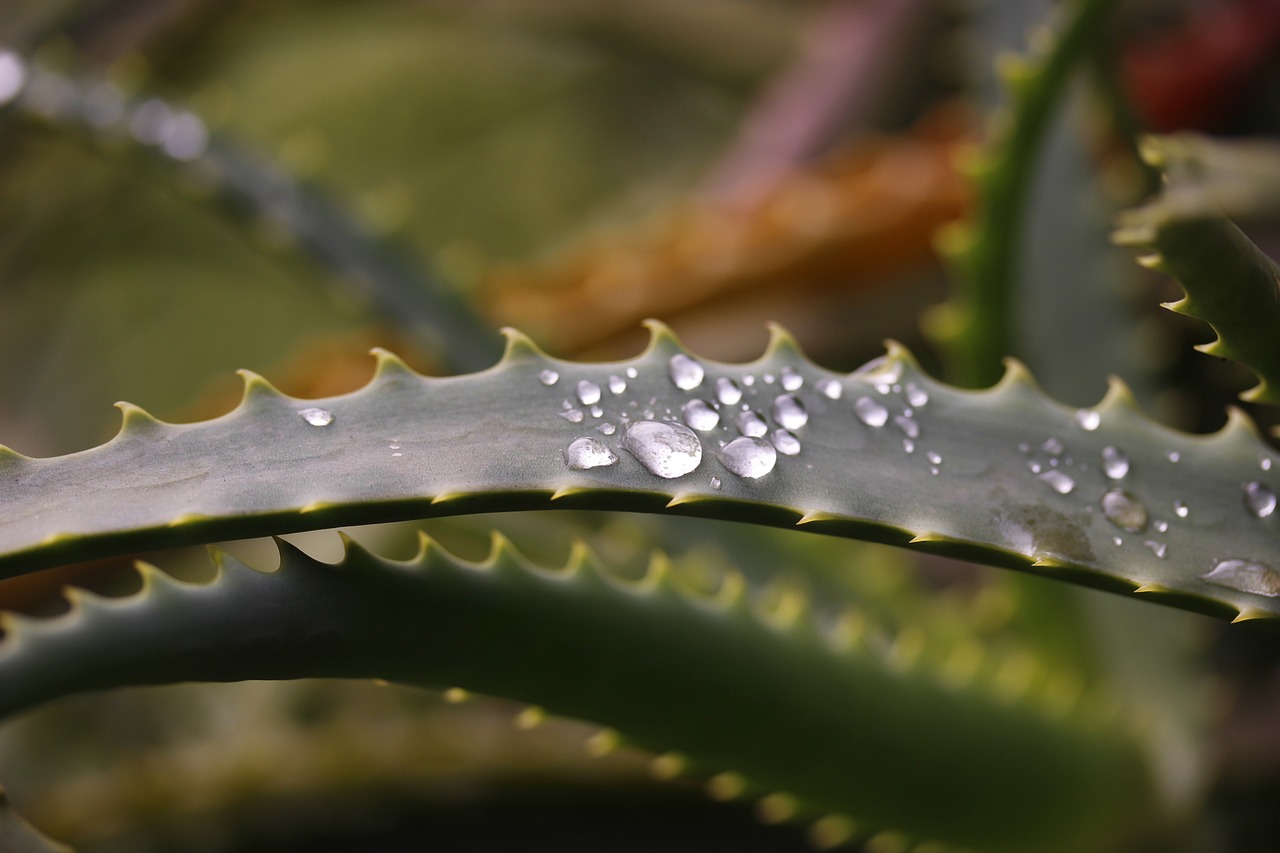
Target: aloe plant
point(867, 719)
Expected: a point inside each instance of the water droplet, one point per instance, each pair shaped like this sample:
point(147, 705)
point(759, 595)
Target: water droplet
point(1114, 462)
point(791, 381)
point(1052, 446)
point(916, 395)
point(768, 379)
point(1173, 456)
point(13, 75)
point(749, 457)
point(597, 412)
point(909, 428)
point(1117, 541)
point(699, 415)
point(586, 453)
point(588, 392)
point(548, 377)
point(317, 417)
point(1157, 548)
point(934, 457)
point(607, 429)
point(908, 445)
point(751, 424)
point(786, 442)
point(617, 384)
point(632, 373)
point(1246, 576)
point(830, 388)
point(1088, 419)
point(1124, 511)
point(1161, 526)
point(1034, 466)
point(748, 380)
point(871, 412)
point(881, 372)
point(727, 391)
point(1180, 509)
point(668, 450)
point(1265, 463)
point(715, 482)
point(1024, 448)
point(685, 372)
point(789, 412)
point(1259, 499)
point(1058, 481)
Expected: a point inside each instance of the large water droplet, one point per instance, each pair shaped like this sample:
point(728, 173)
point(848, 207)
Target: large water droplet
point(916, 395)
point(789, 412)
point(786, 442)
point(791, 381)
point(666, 449)
point(617, 384)
point(1088, 419)
point(1125, 511)
point(548, 377)
point(1114, 462)
point(584, 453)
point(1259, 499)
point(751, 424)
point(317, 417)
point(1058, 481)
point(588, 392)
point(1246, 576)
point(727, 391)
point(748, 457)
point(871, 412)
point(829, 388)
point(699, 415)
point(685, 372)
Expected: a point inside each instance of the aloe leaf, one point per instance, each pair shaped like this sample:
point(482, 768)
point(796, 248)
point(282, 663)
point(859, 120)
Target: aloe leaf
point(18, 836)
point(1005, 476)
point(1229, 282)
point(822, 722)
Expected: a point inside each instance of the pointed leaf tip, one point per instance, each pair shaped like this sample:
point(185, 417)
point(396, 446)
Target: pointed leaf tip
point(388, 364)
point(781, 342)
point(661, 338)
point(519, 346)
point(135, 418)
point(1016, 375)
point(256, 385)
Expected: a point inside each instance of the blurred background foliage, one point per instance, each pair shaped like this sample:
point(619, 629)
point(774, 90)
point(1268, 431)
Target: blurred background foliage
point(568, 167)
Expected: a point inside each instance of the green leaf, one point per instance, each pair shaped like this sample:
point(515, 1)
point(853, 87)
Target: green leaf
point(18, 836)
point(821, 721)
point(1104, 498)
point(1229, 282)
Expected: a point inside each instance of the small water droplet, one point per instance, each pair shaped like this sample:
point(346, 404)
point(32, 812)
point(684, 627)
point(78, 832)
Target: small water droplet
point(685, 372)
point(1034, 466)
point(668, 450)
point(1161, 526)
point(1052, 446)
point(1058, 481)
point(397, 454)
point(727, 391)
point(715, 482)
point(1246, 576)
point(548, 377)
point(1157, 548)
point(830, 388)
point(1114, 462)
point(768, 378)
point(317, 417)
point(1173, 456)
point(789, 412)
point(786, 442)
point(881, 372)
point(699, 415)
point(597, 412)
point(909, 428)
point(871, 412)
point(1265, 463)
point(1117, 541)
point(1088, 419)
point(584, 453)
point(934, 457)
point(751, 424)
point(617, 384)
point(916, 395)
point(607, 429)
point(1180, 509)
point(791, 381)
point(573, 416)
point(1259, 499)
point(588, 392)
point(749, 457)
point(1124, 511)
point(935, 470)
point(1024, 448)
point(632, 373)
point(748, 380)
point(908, 445)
